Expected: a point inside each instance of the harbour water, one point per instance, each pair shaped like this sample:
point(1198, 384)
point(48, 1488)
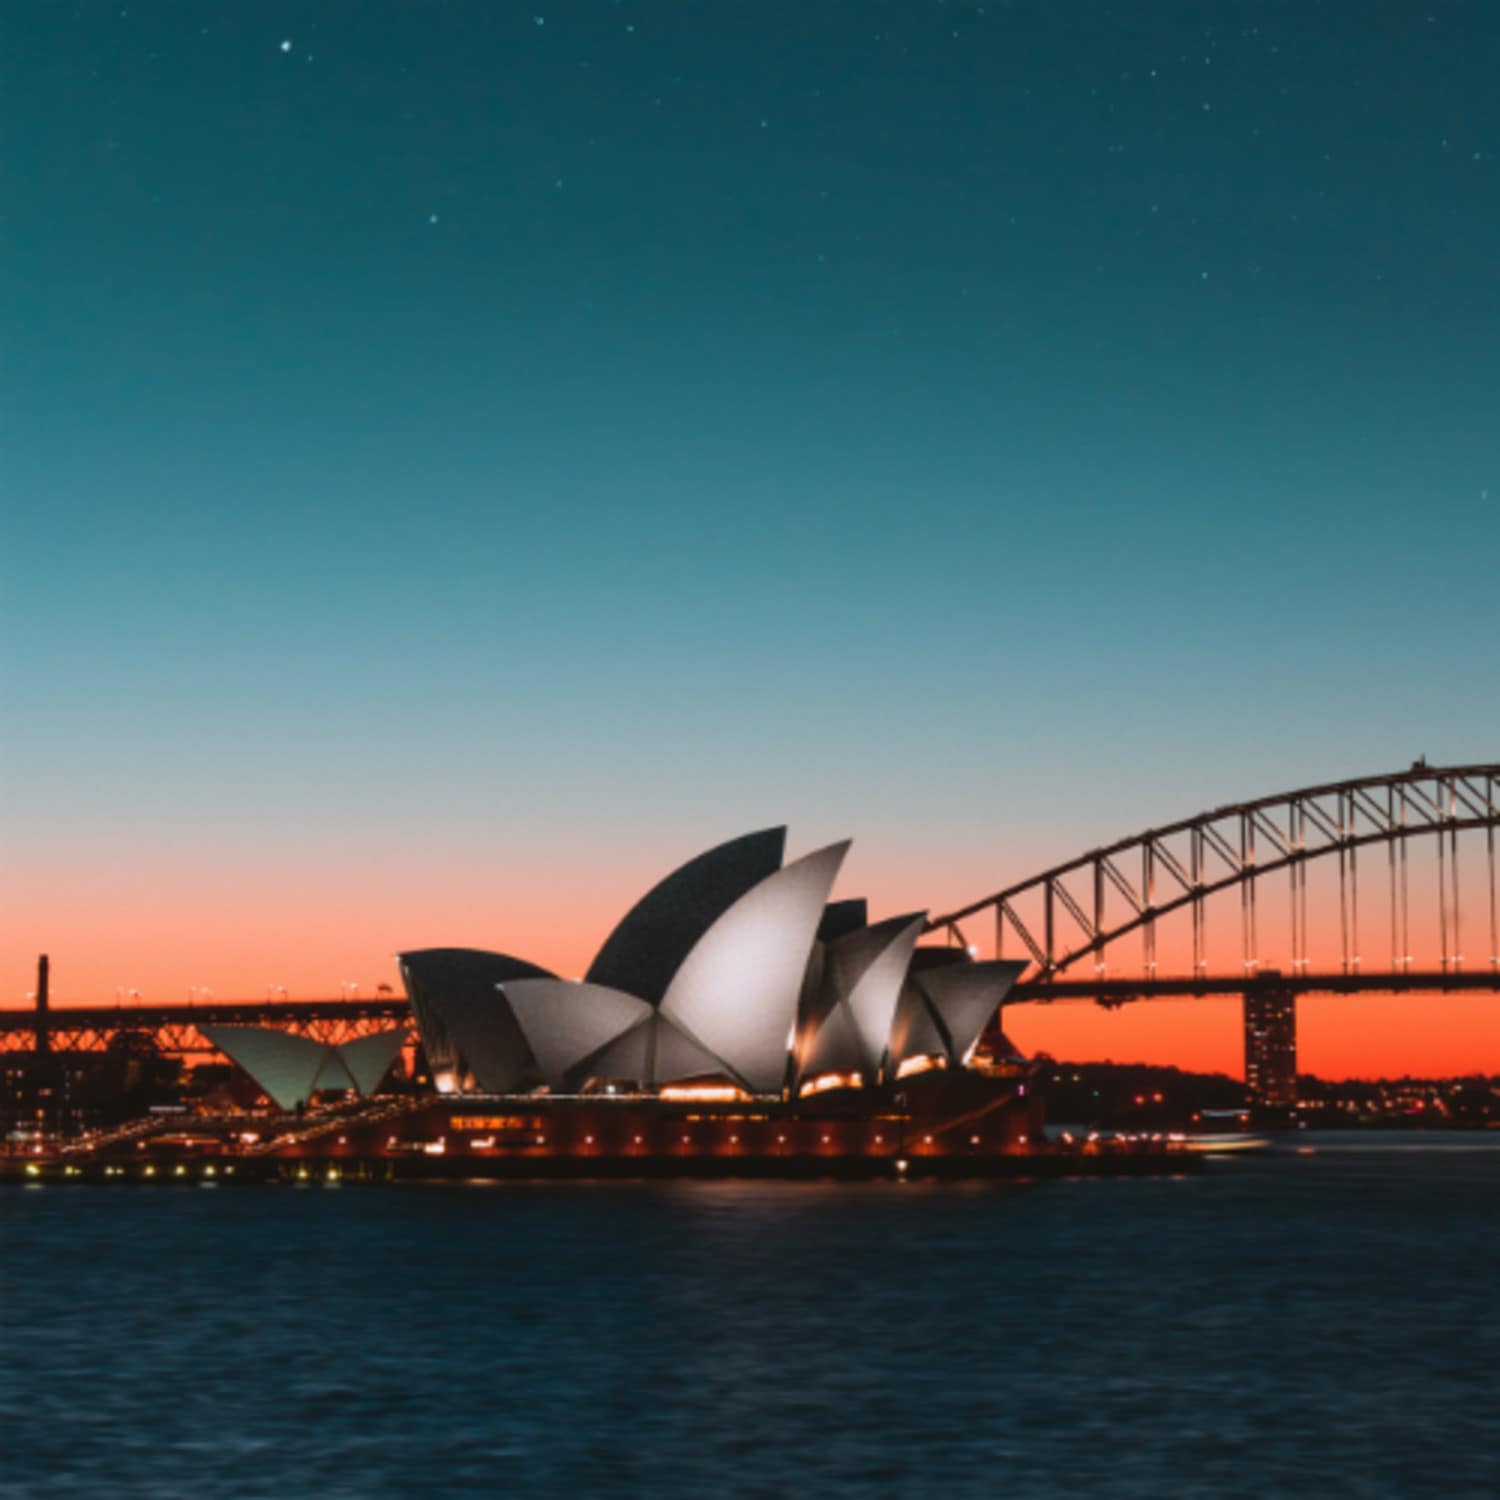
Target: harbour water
point(1320, 1322)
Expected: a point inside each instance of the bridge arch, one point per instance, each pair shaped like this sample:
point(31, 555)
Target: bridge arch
point(1180, 865)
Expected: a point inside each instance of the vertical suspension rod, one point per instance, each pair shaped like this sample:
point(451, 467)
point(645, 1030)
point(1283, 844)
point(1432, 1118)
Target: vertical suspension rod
point(1302, 877)
point(1390, 859)
point(1353, 891)
point(1148, 882)
point(1343, 885)
point(1252, 934)
point(1098, 915)
point(1458, 942)
point(1291, 870)
point(1442, 901)
point(1489, 834)
point(1195, 847)
point(1405, 894)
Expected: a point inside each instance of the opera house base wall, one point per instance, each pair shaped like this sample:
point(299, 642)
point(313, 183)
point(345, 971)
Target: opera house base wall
point(964, 1119)
point(938, 1125)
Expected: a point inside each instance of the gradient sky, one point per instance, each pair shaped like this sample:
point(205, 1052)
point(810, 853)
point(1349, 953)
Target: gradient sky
point(461, 459)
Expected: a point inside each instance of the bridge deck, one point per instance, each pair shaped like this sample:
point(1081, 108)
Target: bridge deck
point(1205, 986)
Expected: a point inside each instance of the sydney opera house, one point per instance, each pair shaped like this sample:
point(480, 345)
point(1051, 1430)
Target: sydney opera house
point(737, 1017)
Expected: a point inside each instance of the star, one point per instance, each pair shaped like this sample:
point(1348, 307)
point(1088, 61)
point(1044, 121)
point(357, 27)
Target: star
point(286, 46)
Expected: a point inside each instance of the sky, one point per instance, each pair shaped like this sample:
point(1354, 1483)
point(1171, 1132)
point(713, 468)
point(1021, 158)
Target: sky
point(459, 460)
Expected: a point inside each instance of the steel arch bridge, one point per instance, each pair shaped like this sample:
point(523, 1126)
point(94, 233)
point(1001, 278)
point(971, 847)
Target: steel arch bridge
point(1067, 920)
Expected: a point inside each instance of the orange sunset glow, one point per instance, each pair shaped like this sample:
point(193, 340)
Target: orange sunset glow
point(180, 928)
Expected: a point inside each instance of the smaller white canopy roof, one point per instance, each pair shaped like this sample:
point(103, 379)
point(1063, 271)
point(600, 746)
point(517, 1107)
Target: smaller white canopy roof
point(291, 1068)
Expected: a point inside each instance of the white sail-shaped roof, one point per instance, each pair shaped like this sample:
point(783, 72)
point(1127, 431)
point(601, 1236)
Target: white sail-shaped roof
point(287, 1067)
point(915, 1031)
point(652, 1052)
point(834, 1047)
point(951, 1004)
point(885, 951)
point(284, 1065)
point(680, 1056)
point(627, 1059)
point(334, 1073)
point(653, 938)
point(290, 1069)
point(860, 983)
point(736, 993)
point(368, 1058)
point(566, 1021)
point(468, 1032)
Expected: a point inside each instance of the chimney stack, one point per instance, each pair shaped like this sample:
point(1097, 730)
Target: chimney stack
point(43, 1032)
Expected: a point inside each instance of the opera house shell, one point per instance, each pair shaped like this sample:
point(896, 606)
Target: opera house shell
point(290, 1069)
point(735, 971)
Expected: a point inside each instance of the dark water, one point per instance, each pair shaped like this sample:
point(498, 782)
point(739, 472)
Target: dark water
point(1303, 1325)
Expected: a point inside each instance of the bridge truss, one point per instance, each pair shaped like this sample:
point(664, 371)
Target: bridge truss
point(1067, 918)
point(174, 1028)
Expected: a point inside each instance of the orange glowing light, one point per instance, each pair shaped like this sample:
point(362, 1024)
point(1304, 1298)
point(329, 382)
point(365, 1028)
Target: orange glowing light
point(920, 1064)
point(826, 1081)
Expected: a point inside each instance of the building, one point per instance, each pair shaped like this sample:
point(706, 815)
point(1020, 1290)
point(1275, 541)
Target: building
point(1271, 1052)
point(735, 1021)
point(735, 971)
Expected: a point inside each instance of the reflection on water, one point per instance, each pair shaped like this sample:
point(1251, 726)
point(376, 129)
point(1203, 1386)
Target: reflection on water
point(1303, 1324)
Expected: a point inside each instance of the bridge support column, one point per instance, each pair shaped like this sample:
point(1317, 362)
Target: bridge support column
point(1270, 1017)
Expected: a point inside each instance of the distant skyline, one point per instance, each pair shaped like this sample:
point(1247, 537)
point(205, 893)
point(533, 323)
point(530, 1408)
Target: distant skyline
point(460, 460)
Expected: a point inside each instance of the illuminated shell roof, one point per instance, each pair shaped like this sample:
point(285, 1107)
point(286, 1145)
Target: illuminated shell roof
point(649, 945)
point(737, 991)
point(860, 983)
point(291, 1068)
point(468, 1031)
point(734, 965)
point(581, 1032)
point(946, 1004)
